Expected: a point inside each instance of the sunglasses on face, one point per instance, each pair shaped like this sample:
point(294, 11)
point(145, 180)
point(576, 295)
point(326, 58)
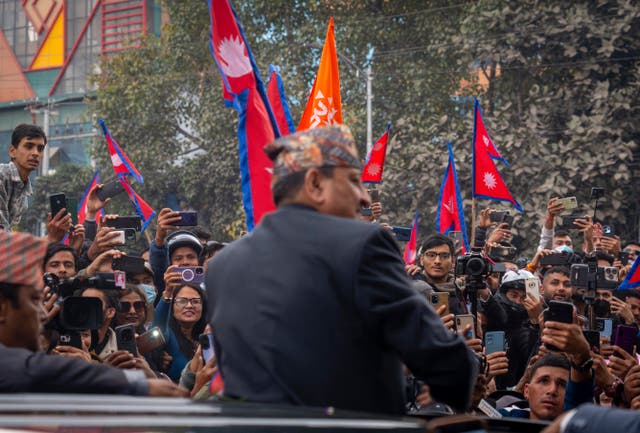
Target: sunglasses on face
point(182, 302)
point(137, 305)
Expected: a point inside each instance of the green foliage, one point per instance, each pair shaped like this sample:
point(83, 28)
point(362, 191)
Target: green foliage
point(561, 107)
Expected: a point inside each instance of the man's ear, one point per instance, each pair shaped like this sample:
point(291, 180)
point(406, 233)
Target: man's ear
point(526, 391)
point(314, 185)
point(111, 313)
point(12, 151)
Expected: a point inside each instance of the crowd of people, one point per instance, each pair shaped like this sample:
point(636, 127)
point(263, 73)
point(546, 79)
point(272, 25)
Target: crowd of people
point(317, 307)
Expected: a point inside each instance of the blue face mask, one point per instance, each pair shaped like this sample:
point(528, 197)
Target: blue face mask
point(563, 249)
point(149, 291)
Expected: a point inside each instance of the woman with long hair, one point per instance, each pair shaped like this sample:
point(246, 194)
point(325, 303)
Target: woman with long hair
point(181, 315)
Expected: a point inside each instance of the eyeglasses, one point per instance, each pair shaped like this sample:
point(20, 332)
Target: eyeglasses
point(632, 251)
point(137, 305)
point(431, 255)
point(182, 302)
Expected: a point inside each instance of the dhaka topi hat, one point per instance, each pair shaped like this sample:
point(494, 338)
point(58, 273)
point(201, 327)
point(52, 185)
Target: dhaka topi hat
point(329, 146)
point(21, 258)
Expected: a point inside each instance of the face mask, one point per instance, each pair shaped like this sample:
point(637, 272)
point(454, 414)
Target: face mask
point(563, 249)
point(149, 292)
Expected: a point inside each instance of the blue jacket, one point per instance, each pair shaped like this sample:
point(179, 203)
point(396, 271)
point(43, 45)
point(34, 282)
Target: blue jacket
point(161, 320)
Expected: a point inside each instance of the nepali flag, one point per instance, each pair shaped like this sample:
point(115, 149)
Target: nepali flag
point(82, 205)
point(632, 280)
point(480, 132)
point(486, 179)
point(141, 207)
point(324, 106)
point(278, 101)
point(411, 248)
point(450, 215)
point(121, 163)
point(244, 91)
point(372, 171)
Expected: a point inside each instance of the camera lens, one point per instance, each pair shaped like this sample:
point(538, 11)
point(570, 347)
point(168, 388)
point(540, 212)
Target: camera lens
point(187, 275)
point(199, 271)
point(475, 266)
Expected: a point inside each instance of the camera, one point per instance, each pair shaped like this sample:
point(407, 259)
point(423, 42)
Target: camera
point(191, 275)
point(606, 277)
point(559, 259)
point(78, 313)
point(474, 265)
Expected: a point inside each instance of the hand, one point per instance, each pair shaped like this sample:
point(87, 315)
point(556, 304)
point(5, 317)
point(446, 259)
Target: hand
point(166, 220)
point(58, 226)
point(602, 374)
point(103, 241)
point(498, 364)
point(71, 352)
point(622, 309)
point(424, 396)
point(567, 337)
point(447, 319)
point(535, 263)
point(142, 364)
point(606, 349)
point(412, 269)
point(49, 304)
point(621, 364)
point(121, 359)
point(166, 361)
point(554, 208)
point(635, 403)
point(533, 307)
point(376, 210)
point(94, 204)
point(165, 388)
point(196, 362)
point(632, 383)
point(500, 234)
point(611, 245)
point(484, 220)
point(474, 344)
point(204, 374)
point(103, 259)
point(585, 225)
point(76, 238)
point(171, 281)
point(386, 226)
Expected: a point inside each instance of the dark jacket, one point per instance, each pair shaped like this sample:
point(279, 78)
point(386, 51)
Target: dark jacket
point(317, 310)
point(26, 371)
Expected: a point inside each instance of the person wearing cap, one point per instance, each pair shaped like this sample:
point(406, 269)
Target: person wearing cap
point(314, 306)
point(167, 251)
point(24, 367)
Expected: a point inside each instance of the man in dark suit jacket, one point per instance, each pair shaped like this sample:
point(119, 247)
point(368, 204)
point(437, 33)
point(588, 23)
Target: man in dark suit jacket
point(24, 368)
point(315, 308)
point(589, 418)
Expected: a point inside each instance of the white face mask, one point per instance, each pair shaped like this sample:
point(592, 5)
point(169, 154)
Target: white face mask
point(149, 292)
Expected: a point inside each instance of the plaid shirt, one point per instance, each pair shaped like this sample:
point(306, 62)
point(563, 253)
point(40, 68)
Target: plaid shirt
point(14, 194)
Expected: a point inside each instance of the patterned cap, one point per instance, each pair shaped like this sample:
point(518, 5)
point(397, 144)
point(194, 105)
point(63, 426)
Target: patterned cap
point(21, 258)
point(330, 146)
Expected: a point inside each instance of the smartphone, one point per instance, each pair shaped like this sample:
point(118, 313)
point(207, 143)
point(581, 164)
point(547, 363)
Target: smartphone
point(568, 203)
point(58, 201)
point(191, 275)
point(597, 193)
point(72, 208)
point(402, 233)
point(150, 340)
point(503, 216)
point(604, 327)
point(124, 236)
point(374, 194)
point(456, 237)
point(567, 222)
point(593, 338)
point(126, 338)
point(439, 298)
point(131, 264)
point(462, 321)
point(125, 222)
point(110, 189)
point(625, 338)
point(559, 311)
point(623, 256)
point(206, 343)
point(70, 338)
point(494, 342)
point(365, 211)
point(532, 286)
point(608, 231)
point(189, 218)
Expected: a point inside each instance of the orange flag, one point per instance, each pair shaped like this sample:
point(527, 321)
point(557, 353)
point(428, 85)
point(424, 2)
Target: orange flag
point(324, 106)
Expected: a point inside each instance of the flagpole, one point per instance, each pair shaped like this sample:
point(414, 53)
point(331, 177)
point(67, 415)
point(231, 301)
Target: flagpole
point(473, 222)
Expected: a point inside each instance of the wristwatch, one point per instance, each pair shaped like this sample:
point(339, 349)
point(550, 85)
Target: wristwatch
point(584, 367)
point(614, 387)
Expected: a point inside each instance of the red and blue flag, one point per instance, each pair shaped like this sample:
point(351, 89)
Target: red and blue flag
point(374, 165)
point(486, 179)
point(480, 131)
point(141, 207)
point(278, 101)
point(450, 215)
point(244, 91)
point(411, 248)
point(121, 163)
point(632, 280)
